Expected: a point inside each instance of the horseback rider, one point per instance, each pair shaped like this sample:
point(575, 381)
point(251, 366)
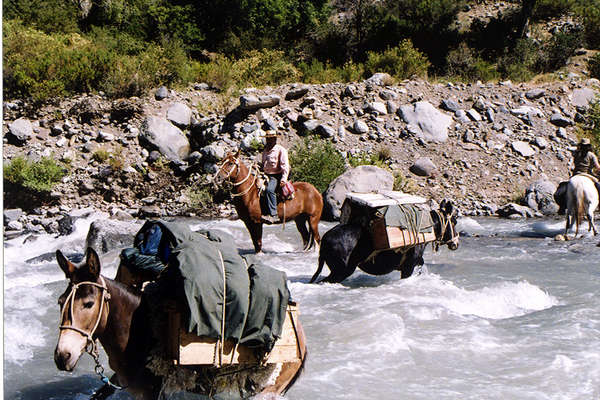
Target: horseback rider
point(585, 161)
point(277, 167)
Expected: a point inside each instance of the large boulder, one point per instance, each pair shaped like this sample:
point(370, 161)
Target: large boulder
point(540, 196)
point(158, 133)
point(107, 235)
point(423, 167)
point(582, 97)
point(20, 131)
point(365, 178)
point(180, 115)
point(251, 102)
point(429, 123)
point(515, 211)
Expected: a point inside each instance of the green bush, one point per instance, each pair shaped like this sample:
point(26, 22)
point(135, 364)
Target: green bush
point(594, 66)
point(367, 159)
point(520, 64)
point(198, 198)
point(404, 184)
point(463, 63)
point(318, 72)
point(316, 161)
point(40, 176)
point(401, 62)
point(593, 118)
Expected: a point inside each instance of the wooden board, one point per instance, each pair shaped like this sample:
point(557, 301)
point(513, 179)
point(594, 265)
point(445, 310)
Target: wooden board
point(384, 198)
point(189, 349)
point(391, 237)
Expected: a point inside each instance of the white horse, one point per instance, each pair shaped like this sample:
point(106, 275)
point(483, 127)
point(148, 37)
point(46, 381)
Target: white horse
point(582, 199)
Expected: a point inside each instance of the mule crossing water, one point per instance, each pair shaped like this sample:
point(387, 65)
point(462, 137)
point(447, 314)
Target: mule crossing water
point(94, 307)
point(581, 201)
point(348, 246)
point(305, 208)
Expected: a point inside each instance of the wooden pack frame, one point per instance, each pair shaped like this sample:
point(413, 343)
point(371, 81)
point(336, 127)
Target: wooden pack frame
point(391, 237)
point(189, 349)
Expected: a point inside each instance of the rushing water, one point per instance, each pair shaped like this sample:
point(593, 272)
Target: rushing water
point(511, 314)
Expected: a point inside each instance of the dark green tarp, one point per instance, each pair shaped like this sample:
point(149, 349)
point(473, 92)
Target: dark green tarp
point(406, 216)
point(204, 265)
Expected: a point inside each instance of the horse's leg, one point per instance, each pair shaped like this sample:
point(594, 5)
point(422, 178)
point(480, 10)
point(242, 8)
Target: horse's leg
point(301, 225)
point(590, 217)
point(255, 230)
point(313, 222)
point(339, 270)
point(319, 269)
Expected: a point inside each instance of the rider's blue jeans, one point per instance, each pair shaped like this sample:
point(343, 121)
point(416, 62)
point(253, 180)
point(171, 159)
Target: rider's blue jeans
point(271, 196)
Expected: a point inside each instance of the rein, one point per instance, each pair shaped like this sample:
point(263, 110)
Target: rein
point(91, 346)
point(237, 165)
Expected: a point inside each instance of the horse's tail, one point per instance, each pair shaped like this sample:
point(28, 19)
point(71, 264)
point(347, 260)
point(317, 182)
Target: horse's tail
point(580, 209)
point(319, 268)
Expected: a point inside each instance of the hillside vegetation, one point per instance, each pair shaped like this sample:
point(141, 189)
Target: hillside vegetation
point(61, 47)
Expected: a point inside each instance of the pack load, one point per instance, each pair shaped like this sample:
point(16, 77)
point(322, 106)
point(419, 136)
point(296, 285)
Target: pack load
point(223, 308)
point(394, 219)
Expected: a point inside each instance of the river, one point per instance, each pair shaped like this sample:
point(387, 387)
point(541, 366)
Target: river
point(511, 314)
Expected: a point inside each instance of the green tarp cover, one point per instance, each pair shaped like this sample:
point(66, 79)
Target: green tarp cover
point(256, 295)
point(406, 216)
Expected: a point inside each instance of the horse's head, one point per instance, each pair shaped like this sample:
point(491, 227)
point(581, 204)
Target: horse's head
point(83, 309)
point(449, 215)
point(229, 168)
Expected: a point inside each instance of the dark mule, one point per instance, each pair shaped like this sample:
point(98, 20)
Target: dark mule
point(95, 307)
point(348, 246)
point(305, 208)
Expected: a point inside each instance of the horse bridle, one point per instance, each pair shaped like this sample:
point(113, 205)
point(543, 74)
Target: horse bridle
point(237, 165)
point(71, 297)
point(444, 222)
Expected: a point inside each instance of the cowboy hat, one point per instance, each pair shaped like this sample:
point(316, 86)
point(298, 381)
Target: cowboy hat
point(271, 134)
point(585, 142)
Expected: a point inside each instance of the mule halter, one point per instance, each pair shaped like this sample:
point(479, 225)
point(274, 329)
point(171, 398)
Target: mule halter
point(444, 222)
point(71, 297)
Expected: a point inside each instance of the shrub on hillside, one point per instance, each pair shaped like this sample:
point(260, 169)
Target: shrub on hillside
point(465, 64)
point(594, 66)
point(401, 62)
point(39, 176)
point(316, 161)
point(318, 72)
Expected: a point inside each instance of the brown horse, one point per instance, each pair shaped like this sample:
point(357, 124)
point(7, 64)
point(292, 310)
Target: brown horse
point(95, 307)
point(305, 208)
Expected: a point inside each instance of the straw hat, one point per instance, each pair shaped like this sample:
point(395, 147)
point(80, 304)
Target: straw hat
point(271, 134)
point(585, 142)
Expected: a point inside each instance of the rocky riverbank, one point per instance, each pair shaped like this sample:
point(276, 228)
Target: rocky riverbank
point(483, 145)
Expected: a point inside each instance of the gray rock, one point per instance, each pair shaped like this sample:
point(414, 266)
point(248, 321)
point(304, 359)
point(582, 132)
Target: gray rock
point(106, 235)
point(560, 120)
point(540, 196)
point(352, 92)
point(151, 211)
point(14, 226)
point(535, 93)
point(461, 116)
point(158, 133)
point(429, 123)
point(252, 102)
point(341, 131)
point(523, 148)
point(583, 97)
point(423, 167)
point(310, 125)
point(250, 140)
point(20, 131)
point(489, 114)
point(527, 110)
point(365, 178)
point(375, 107)
point(450, 105)
point(512, 210)
point(561, 133)
point(161, 93)
point(387, 95)
point(541, 142)
point(296, 93)
point(212, 152)
point(473, 115)
point(180, 115)
point(360, 127)
point(391, 107)
point(105, 136)
point(12, 214)
point(326, 131)
point(380, 79)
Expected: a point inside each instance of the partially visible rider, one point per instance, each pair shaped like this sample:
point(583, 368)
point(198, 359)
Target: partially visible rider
point(586, 162)
point(276, 165)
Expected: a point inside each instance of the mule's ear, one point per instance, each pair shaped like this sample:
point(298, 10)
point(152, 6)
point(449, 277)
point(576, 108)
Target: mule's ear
point(93, 262)
point(443, 204)
point(64, 264)
point(237, 153)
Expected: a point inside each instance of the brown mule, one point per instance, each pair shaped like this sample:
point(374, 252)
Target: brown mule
point(95, 307)
point(305, 208)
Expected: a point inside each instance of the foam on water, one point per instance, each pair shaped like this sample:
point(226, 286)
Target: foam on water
point(22, 336)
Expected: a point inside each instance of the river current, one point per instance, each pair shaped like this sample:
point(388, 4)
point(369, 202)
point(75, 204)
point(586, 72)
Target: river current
point(511, 314)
